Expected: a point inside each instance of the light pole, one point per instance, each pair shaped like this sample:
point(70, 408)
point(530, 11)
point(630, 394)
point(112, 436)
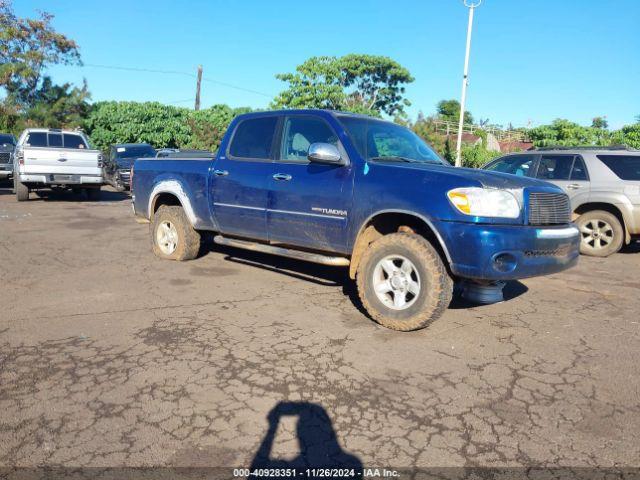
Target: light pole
point(471, 5)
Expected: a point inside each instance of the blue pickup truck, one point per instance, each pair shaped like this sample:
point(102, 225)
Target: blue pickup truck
point(350, 190)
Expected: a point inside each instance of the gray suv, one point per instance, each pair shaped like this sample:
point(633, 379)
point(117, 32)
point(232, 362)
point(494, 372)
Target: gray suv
point(602, 182)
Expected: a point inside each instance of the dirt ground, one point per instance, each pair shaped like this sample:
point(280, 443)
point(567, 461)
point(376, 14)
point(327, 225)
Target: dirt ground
point(111, 357)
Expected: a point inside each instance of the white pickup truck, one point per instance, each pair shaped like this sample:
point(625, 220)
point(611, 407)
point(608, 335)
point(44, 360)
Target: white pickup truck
point(54, 158)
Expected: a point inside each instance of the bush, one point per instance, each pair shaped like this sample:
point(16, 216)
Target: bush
point(159, 125)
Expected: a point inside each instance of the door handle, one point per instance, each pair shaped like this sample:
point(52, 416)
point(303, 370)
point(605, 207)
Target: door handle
point(282, 176)
point(62, 159)
point(220, 173)
point(574, 186)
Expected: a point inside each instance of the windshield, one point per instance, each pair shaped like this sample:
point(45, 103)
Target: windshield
point(379, 140)
point(7, 140)
point(135, 151)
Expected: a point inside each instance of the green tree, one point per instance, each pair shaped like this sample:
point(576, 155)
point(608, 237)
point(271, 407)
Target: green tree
point(566, 133)
point(360, 83)
point(600, 122)
point(208, 126)
point(150, 122)
point(450, 110)
point(27, 47)
point(58, 106)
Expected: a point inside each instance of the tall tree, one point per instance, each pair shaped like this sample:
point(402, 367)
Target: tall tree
point(450, 110)
point(600, 122)
point(361, 83)
point(27, 47)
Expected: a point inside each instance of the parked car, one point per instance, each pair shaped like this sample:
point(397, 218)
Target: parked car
point(349, 190)
point(117, 167)
point(165, 152)
point(602, 183)
point(7, 146)
point(54, 158)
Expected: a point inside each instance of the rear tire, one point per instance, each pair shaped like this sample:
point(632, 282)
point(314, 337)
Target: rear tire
point(22, 191)
point(403, 283)
point(93, 194)
point(172, 236)
point(601, 233)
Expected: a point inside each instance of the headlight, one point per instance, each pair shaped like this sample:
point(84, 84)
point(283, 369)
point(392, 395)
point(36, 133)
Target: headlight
point(485, 202)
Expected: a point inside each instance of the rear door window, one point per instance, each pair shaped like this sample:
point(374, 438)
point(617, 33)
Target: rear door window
point(555, 167)
point(520, 165)
point(73, 141)
point(55, 140)
point(579, 170)
point(253, 138)
point(36, 139)
point(626, 167)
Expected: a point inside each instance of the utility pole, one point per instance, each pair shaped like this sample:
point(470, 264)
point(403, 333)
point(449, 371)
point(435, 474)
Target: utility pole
point(471, 5)
point(197, 106)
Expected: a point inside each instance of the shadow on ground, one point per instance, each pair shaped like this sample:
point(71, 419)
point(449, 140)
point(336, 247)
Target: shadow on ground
point(317, 441)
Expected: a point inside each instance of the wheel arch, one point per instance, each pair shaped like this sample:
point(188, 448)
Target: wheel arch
point(389, 221)
point(607, 207)
point(170, 192)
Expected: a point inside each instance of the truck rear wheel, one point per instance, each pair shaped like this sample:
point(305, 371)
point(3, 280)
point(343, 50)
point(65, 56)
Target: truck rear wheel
point(403, 283)
point(601, 233)
point(172, 236)
point(22, 191)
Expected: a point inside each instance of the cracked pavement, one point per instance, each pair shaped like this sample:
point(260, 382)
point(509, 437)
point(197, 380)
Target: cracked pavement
point(111, 357)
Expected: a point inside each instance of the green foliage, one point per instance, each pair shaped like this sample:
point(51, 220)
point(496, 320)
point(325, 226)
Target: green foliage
point(566, 133)
point(627, 135)
point(449, 110)
point(475, 156)
point(368, 84)
point(27, 47)
point(600, 122)
point(159, 125)
point(58, 106)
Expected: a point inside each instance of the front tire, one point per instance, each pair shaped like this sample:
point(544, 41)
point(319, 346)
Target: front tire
point(22, 191)
point(172, 236)
point(601, 233)
point(403, 283)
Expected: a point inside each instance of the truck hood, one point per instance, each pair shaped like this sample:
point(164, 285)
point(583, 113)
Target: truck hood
point(475, 177)
point(6, 148)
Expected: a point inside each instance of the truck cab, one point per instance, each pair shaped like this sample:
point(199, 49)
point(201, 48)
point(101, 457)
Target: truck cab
point(355, 191)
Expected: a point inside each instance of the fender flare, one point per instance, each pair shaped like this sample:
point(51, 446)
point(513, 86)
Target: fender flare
point(175, 188)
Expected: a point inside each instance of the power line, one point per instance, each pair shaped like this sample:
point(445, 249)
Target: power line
point(176, 72)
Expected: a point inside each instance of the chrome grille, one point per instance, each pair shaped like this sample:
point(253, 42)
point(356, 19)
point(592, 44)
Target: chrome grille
point(5, 157)
point(549, 208)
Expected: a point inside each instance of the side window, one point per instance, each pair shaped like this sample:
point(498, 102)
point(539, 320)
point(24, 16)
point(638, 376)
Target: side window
point(36, 139)
point(520, 165)
point(253, 138)
point(55, 140)
point(579, 170)
point(555, 167)
point(300, 133)
point(74, 141)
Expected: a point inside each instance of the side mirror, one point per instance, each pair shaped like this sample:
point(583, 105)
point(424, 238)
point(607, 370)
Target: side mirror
point(324, 153)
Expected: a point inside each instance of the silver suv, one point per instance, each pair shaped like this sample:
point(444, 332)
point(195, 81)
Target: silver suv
point(602, 182)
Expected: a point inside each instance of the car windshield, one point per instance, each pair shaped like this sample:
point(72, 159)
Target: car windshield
point(135, 151)
point(377, 140)
point(6, 140)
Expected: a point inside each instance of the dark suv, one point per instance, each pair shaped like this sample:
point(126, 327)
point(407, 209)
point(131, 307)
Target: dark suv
point(7, 147)
point(602, 183)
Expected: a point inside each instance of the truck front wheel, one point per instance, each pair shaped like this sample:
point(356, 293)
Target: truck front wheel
point(172, 236)
point(403, 283)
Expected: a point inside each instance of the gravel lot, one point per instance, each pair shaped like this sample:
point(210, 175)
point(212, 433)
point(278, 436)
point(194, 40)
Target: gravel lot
point(111, 357)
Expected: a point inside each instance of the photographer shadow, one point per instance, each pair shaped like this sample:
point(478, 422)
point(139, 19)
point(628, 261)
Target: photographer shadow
point(318, 444)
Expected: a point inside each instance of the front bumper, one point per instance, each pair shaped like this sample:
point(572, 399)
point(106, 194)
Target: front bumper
point(6, 170)
point(508, 252)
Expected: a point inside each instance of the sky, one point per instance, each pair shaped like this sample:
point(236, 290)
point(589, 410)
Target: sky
point(531, 60)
